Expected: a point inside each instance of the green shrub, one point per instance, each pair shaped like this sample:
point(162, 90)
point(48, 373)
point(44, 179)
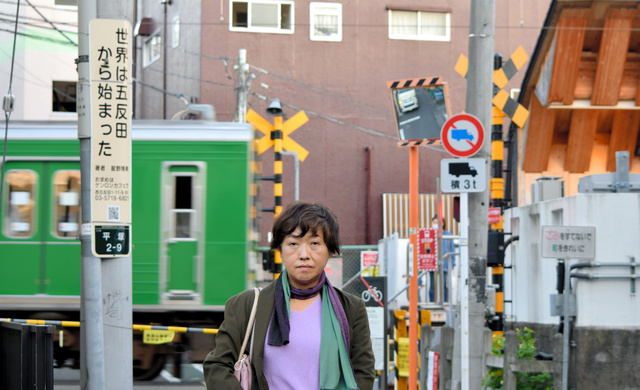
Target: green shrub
point(526, 351)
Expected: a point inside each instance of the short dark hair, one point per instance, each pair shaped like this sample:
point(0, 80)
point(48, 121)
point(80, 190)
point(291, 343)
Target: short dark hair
point(444, 222)
point(309, 217)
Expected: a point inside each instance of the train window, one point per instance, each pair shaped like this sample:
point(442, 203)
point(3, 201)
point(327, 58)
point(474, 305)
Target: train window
point(21, 201)
point(183, 206)
point(66, 197)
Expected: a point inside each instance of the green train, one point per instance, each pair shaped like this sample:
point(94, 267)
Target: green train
point(193, 229)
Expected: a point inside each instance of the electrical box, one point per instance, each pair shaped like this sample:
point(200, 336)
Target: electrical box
point(495, 253)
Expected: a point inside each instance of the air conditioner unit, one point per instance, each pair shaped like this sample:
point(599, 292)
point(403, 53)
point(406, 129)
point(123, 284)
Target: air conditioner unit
point(547, 187)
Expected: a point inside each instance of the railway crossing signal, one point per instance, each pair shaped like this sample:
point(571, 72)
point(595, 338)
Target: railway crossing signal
point(277, 135)
point(501, 77)
point(288, 127)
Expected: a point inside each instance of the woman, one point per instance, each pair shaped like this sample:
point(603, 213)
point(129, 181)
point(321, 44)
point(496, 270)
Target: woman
point(307, 334)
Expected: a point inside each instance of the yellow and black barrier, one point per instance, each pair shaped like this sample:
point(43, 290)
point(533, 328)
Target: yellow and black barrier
point(152, 334)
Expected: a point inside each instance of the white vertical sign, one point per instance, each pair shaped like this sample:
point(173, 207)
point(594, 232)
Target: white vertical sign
point(110, 64)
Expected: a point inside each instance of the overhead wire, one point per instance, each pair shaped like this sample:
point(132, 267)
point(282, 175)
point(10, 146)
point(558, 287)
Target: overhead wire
point(7, 106)
point(366, 130)
point(51, 24)
point(37, 19)
point(29, 24)
point(316, 89)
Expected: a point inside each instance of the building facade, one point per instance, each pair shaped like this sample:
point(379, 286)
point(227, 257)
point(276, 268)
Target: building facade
point(331, 60)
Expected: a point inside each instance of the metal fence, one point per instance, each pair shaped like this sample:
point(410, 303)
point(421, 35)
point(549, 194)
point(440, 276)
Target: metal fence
point(350, 257)
point(26, 356)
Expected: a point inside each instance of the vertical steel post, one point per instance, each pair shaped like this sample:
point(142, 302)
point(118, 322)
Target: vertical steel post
point(413, 281)
point(567, 324)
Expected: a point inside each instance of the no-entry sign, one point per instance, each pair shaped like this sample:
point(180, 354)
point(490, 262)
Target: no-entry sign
point(462, 135)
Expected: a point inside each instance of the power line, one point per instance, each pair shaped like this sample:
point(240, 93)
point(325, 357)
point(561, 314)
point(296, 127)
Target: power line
point(51, 24)
point(330, 119)
point(7, 105)
point(30, 24)
point(316, 89)
point(53, 40)
point(36, 19)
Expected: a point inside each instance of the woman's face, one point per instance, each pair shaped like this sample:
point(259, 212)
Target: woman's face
point(304, 258)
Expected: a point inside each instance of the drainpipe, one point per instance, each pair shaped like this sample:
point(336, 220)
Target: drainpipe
point(164, 59)
point(367, 199)
point(296, 165)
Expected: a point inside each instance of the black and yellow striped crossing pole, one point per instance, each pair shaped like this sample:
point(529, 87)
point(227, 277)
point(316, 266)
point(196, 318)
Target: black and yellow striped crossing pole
point(276, 136)
point(497, 200)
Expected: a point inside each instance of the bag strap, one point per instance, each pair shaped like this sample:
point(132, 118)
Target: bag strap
point(250, 323)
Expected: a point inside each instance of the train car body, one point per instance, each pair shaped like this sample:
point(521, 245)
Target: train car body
point(192, 226)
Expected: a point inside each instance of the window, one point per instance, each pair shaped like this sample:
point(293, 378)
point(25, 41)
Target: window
point(21, 201)
point(152, 50)
point(420, 25)
point(66, 195)
point(261, 16)
point(64, 96)
point(326, 22)
point(183, 208)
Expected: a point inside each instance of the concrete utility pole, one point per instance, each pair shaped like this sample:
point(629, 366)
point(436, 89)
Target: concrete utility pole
point(243, 88)
point(479, 96)
point(105, 309)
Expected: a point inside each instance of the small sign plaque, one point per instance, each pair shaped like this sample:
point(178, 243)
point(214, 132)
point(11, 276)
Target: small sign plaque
point(568, 242)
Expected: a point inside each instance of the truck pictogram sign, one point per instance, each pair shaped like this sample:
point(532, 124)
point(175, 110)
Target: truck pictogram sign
point(463, 175)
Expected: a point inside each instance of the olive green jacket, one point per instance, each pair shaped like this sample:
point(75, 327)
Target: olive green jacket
point(218, 366)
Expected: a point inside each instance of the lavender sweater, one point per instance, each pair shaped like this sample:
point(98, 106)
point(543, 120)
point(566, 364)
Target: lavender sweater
point(296, 366)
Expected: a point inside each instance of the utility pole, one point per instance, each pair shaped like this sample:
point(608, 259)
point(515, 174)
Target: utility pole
point(479, 96)
point(243, 88)
point(105, 307)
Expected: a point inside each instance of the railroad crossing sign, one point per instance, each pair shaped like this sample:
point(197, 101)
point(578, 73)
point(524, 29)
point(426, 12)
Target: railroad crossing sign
point(288, 127)
point(501, 77)
point(462, 175)
point(462, 135)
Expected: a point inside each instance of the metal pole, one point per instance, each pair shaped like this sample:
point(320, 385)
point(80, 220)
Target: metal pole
point(296, 167)
point(242, 85)
point(92, 373)
point(479, 96)
point(464, 289)
point(566, 332)
point(413, 282)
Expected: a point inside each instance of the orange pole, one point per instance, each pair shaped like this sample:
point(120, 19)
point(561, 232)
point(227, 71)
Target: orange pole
point(413, 282)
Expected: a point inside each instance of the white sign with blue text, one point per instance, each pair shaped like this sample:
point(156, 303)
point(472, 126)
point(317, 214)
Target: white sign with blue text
point(462, 175)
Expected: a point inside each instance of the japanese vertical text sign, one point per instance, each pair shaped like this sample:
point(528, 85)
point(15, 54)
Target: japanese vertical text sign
point(110, 63)
point(427, 249)
point(568, 242)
